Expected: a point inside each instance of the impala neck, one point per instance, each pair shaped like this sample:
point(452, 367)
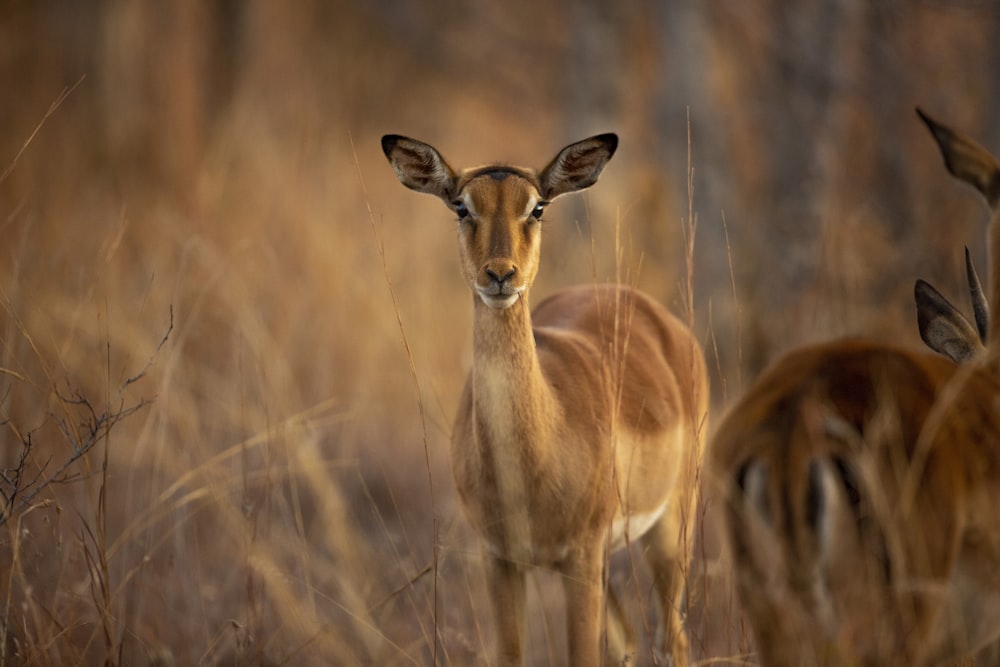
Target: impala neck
point(512, 402)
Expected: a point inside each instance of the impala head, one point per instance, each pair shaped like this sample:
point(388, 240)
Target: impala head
point(967, 161)
point(498, 207)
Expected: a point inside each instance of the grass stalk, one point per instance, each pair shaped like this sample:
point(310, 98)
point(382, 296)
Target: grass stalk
point(414, 377)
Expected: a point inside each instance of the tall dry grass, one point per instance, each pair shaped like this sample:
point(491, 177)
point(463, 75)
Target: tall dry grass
point(285, 497)
point(278, 501)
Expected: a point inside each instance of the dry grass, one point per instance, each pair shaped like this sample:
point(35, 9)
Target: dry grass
point(277, 501)
point(285, 497)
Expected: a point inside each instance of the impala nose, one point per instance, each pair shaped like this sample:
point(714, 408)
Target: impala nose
point(497, 284)
point(500, 279)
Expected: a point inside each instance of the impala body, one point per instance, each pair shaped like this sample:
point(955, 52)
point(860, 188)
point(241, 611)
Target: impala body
point(811, 465)
point(862, 485)
point(581, 424)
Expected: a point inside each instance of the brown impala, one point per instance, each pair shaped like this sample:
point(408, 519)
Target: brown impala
point(581, 423)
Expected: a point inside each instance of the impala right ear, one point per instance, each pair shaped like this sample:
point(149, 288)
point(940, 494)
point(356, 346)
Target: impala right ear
point(942, 327)
point(577, 166)
point(419, 166)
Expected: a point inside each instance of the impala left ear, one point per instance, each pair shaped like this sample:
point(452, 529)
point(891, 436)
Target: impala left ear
point(942, 327)
point(577, 166)
point(419, 166)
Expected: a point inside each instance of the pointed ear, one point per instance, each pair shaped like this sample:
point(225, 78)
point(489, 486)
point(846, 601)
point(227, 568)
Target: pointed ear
point(980, 304)
point(419, 166)
point(942, 327)
point(966, 160)
point(577, 166)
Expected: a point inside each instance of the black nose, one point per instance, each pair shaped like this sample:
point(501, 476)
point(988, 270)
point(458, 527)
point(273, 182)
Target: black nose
point(500, 279)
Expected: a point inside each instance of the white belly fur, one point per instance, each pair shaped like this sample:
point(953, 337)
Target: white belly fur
point(634, 525)
point(630, 462)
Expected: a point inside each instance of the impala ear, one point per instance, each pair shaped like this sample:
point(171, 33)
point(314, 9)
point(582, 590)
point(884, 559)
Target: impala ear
point(966, 160)
point(577, 166)
point(980, 304)
point(942, 327)
point(419, 166)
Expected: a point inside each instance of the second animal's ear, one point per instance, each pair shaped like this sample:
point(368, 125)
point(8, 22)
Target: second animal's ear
point(942, 327)
point(577, 166)
point(966, 159)
point(980, 304)
point(419, 166)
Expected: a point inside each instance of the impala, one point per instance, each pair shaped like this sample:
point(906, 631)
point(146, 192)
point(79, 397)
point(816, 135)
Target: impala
point(860, 482)
point(580, 426)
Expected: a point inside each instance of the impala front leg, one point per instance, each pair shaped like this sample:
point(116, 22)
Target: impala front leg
point(584, 590)
point(506, 583)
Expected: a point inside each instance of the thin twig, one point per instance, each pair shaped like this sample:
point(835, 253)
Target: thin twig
point(739, 309)
point(27, 142)
point(20, 493)
point(380, 247)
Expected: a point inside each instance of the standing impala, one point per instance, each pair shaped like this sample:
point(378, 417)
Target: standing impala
point(862, 488)
point(581, 424)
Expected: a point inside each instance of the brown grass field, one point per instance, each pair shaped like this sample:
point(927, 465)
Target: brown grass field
point(231, 344)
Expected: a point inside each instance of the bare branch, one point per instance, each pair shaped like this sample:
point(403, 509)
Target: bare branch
point(17, 492)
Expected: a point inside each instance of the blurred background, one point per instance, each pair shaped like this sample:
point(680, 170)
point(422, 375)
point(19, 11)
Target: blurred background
point(210, 172)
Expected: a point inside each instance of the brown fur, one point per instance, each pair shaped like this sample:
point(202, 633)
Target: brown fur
point(830, 433)
point(587, 412)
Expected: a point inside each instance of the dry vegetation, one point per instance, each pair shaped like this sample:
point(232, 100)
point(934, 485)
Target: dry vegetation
point(211, 172)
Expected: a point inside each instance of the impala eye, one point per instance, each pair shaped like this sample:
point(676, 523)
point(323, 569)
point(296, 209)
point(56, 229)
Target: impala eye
point(461, 210)
point(536, 212)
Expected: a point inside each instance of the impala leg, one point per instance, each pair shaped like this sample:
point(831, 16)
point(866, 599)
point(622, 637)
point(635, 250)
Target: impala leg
point(507, 590)
point(584, 591)
point(666, 551)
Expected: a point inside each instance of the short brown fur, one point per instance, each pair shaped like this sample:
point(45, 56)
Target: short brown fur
point(838, 421)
